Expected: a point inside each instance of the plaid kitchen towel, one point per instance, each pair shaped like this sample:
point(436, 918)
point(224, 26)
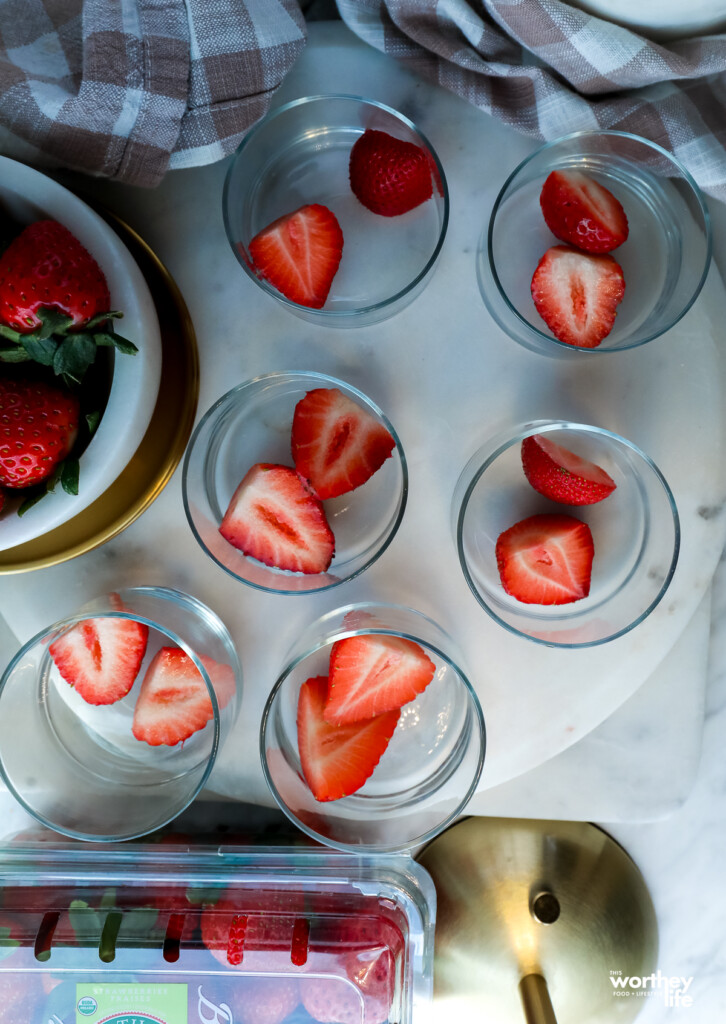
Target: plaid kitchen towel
point(548, 69)
point(130, 88)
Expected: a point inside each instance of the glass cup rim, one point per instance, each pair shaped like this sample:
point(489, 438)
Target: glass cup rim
point(505, 440)
point(291, 663)
point(168, 593)
point(336, 315)
point(488, 232)
point(328, 381)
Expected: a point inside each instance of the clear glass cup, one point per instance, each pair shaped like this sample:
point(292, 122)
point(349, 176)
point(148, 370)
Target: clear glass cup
point(665, 258)
point(252, 424)
point(635, 530)
point(77, 767)
point(433, 761)
point(299, 154)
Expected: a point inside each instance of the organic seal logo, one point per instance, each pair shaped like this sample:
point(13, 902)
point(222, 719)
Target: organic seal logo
point(131, 1018)
point(87, 1005)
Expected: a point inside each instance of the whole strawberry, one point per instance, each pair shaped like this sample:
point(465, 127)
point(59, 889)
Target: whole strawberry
point(38, 426)
point(389, 176)
point(47, 267)
point(54, 303)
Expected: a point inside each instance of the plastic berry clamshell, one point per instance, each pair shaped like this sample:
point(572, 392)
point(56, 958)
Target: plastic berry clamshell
point(212, 935)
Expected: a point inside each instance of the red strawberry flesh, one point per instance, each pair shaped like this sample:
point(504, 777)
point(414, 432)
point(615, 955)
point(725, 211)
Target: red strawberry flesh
point(561, 475)
point(337, 760)
point(47, 267)
point(389, 176)
point(373, 674)
point(336, 444)
point(173, 701)
point(546, 559)
point(100, 658)
point(274, 518)
point(299, 254)
point(581, 211)
point(577, 294)
point(38, 427)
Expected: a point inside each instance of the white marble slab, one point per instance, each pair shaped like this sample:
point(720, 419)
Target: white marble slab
point(448, 378)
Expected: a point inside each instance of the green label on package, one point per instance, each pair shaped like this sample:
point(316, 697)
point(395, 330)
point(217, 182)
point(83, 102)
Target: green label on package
point(137, 1003)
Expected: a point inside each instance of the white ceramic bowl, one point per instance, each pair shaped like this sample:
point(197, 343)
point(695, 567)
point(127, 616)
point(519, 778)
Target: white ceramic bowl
point(27, 196)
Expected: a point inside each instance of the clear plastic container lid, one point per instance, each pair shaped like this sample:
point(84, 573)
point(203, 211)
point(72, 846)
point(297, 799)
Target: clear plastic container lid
point(187, 935)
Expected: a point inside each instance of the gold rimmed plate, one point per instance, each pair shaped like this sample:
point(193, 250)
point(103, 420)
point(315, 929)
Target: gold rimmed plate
point(163, 444)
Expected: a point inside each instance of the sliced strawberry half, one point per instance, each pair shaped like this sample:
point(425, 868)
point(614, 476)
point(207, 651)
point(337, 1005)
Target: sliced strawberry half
point(100, 658)
point(337, 759)
point(581, 211)
point(388, 175)
point(299, 254)
point(274, 518)
point(546, 559)
point(336, 444)
point(561, 475)
point(173, 702)
point(577, 294)
point(373, 674)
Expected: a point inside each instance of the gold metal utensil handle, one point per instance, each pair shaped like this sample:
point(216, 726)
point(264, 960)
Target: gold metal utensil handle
point(536, 1000)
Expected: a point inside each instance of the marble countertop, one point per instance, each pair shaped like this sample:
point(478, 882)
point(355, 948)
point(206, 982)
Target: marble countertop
point(625, 762)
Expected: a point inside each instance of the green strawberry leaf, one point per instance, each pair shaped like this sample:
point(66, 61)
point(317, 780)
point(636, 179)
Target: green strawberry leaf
point(7, 943)
point(10, 334)
point(55, 344)
point(110, 339)
point(108, 899)
point(75, 354)
point(69, 476)
point(140, 922)
point(40, 350)
point(51, 322)
point(210, 896)
point(37, 493)
point(29, 502)
point(84, 921)
point(14, 354)
point(101, 318)
point(92, 421)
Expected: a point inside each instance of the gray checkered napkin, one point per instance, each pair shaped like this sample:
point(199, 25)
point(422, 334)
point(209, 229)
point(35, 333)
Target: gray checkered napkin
point(548, 69)
point(130, 88)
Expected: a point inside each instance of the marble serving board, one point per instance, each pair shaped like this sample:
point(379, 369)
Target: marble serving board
point(448, 378)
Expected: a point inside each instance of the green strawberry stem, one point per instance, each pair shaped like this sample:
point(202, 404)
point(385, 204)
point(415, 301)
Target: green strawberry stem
point(55, 344)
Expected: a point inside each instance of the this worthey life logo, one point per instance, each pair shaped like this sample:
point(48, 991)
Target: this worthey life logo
point(672, 988)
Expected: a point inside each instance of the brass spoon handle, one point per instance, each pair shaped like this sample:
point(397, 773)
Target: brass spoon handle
point(536, 1000)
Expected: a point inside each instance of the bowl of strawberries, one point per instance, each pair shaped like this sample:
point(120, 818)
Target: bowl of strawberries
point(567, 534)
point(77, 389)
point(337, 207)
point(294, 482)
point(597, 242)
